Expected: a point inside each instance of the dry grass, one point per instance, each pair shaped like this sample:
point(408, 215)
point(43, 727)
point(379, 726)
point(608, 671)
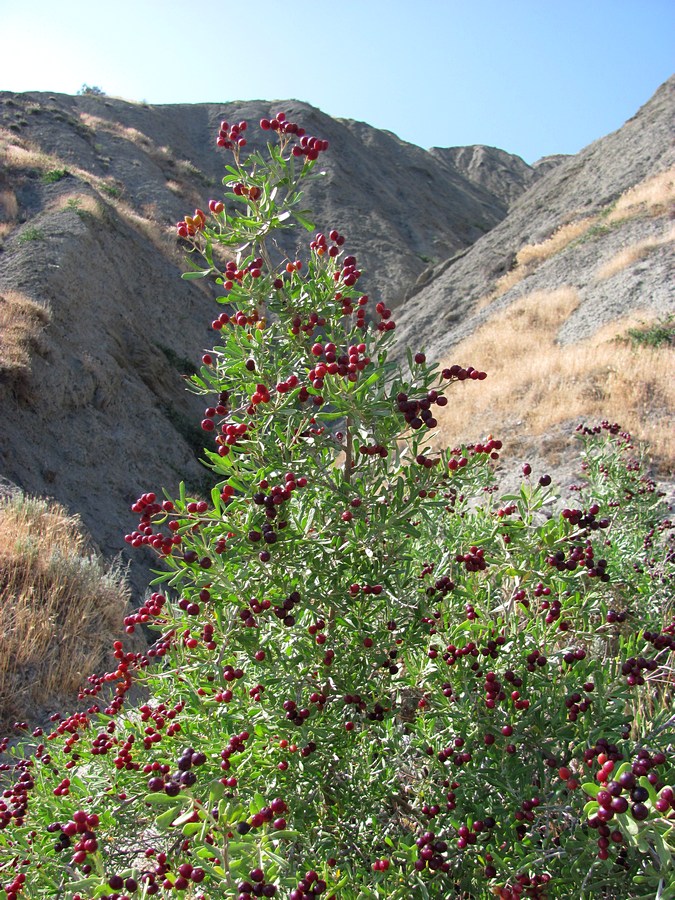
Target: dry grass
point(5, 229)
point(655, 196)
point(534, 384)
point(96, 123)
point(633, 254)
point(163, 238)
point(80, 203)
point(62, 606)
point(531, 256)
point(21, 156)
point(9, 206)
point(22, 322)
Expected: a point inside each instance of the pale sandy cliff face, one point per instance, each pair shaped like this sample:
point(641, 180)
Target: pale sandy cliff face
point(99, 328)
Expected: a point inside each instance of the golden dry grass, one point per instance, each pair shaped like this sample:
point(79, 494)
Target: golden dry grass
point(9, 206)
point(81, 203)
point(5, 229)
point(654, 196)
point(534, 384)
point(630, 255)
point(62, 606)
point(96, 123)
point(19, 155)
point(22, 322)
point(531, 256)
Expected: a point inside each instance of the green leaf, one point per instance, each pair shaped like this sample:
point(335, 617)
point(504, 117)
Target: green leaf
point(304, 221)
point(166, 818)
point(159, 799)
point(182, 819)
point(190, 276)
point(591, 788)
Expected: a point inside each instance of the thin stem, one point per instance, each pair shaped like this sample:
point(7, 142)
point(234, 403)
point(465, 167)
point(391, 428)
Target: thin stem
point(348, 451)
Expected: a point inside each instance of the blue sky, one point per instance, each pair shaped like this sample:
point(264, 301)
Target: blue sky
point(533, 77)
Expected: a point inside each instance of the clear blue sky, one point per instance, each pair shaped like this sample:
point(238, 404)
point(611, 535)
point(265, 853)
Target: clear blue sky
point(533, 77)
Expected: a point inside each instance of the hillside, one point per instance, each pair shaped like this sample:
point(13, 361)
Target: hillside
point(96, 326)
point(545, 301)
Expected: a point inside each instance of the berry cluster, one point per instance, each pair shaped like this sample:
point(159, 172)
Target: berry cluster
point(230, 136)
point(150, 609)
point(314, 321)
point(576, 704)
point(14, 800)
point(82, 826)
point(251, 192)
point(256, 886)
point(579, 555)
point(532, 886)
point(633, 668)
point(284, 612)
point(473, 560)
point(14, 887)
point(308, 887)
point(346, 365)
point(460, 374)
point(237, 318)
point(582, 519)
point(417, 412)
point(161, 716)
point(349, 274)
point(321, 246)
point(431, 852)
point(191, 225)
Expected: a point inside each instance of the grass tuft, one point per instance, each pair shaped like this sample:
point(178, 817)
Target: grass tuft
point(22, 322)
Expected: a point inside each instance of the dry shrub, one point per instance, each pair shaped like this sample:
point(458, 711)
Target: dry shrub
point(654, 196)
point(62, 606)
point(5, 229)
point(22, 322)
point(633, 254)
point(534, 384)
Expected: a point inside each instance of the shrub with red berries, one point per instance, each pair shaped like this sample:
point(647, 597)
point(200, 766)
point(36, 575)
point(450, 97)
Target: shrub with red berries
point(368, 673)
